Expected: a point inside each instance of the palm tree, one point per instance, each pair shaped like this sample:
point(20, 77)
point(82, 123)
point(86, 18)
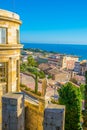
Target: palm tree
point(36, 73)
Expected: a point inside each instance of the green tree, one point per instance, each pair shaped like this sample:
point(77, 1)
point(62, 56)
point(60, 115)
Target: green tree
point(41, 74)
point(85, 111)
point(82, 89)
point(86, 77)
point(36, 83)
point(35, 71)
point(23, 67)
point(31, 62)
point(70, 96)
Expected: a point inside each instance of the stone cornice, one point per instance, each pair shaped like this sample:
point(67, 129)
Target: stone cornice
point(10, 46)
point(4, 18)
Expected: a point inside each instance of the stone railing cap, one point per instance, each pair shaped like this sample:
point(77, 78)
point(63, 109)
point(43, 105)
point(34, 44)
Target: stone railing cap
point(9, 14)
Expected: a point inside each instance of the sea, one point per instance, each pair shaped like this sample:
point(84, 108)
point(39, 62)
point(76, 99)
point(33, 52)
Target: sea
point(69, 49)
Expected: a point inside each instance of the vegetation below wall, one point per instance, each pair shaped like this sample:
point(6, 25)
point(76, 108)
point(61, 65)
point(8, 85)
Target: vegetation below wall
point(24, 87)
point(54, 102)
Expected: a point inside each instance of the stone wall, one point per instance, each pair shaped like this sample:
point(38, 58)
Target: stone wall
point(34, 115)
point(13, 111)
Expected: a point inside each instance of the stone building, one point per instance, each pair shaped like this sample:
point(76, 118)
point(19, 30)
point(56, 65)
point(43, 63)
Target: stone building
point(13, 112)
point(9, 50)
point(59, 75)
point(83, 66)
point(56, 60)
point(77, 67)
point(63, 61)
point(69, 62)
point(54, 117)
point(10, 71)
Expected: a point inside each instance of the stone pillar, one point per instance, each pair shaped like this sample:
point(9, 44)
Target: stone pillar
point(18, 75)
point(44, 87)
point(12, 75)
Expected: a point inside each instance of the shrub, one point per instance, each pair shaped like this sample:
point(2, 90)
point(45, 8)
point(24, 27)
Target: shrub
point(27, 89)
point(41, 74)
point(23, 85)
point(49, 77)
point(70, 96)
point(38, 93)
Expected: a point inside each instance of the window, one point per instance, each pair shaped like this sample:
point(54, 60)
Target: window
point(2, 35)
point(3, 72)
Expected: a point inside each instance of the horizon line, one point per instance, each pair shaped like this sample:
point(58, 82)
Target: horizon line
point(54, 43)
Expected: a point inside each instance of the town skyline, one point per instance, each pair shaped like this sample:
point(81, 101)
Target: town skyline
point(39, 84)
point(51, 21)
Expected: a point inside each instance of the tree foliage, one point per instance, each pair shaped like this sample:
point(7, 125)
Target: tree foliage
point(31, 66)
point(82, 89)
point(35, 71)
point(23, 67)
point(85, 111)
point(86, 77)
point(31, 61)
point(70, 96)
point(41, 74)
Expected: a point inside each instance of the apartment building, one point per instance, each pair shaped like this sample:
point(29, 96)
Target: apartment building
point(69, 62)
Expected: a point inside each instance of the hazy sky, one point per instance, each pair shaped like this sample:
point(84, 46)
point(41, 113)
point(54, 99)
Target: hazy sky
point(51, 21)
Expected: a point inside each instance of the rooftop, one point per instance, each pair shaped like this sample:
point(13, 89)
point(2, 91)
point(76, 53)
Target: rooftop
point(54, 71)
point(55, 106)
point(9, 14)
point(12, 95)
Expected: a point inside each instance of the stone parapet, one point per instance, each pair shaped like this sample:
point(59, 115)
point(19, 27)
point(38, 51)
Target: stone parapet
point(9, 16)
point(9, 46)
point(13, 111)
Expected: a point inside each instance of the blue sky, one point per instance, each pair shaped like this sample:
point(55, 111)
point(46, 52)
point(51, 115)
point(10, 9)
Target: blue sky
point(51, 21)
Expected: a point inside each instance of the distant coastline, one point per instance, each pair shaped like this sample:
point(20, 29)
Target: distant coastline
point(69, 49)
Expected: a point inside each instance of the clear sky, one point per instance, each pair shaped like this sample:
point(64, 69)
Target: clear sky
point(51, 21)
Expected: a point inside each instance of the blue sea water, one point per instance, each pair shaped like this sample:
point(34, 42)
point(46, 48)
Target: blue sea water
point(78, 50)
